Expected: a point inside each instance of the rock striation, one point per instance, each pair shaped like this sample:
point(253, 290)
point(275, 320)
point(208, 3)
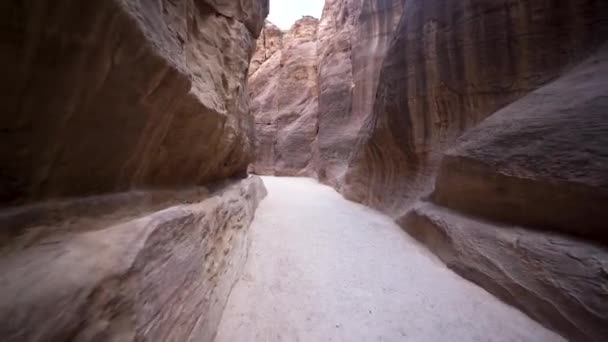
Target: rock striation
point(284, 102)
point(123, 94)
point(269, 42)
point(450, 65)
point(518, 203)
point(519, 206)
point(148, 274)
point(354, 36)
point(125, 137)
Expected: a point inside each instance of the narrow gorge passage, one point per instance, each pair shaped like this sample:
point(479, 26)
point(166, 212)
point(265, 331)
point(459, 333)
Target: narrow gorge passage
point(321, 268)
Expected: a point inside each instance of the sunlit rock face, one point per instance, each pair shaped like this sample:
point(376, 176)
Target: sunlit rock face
point(269, 42)
point(317, 135)
point(284, 102)
point(125, 140)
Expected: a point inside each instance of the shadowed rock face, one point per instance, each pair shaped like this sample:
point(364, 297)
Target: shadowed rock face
point(121, 122)
point(451, 64)
point(513, 192)
point(519, 202)
point(284, 101)
point(108, 96)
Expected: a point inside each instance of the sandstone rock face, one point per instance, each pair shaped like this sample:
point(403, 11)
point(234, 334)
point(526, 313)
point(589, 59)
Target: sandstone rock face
point(112, 95)
point(451, 64)
point(353, 37)
point(121, 121)
point(148, 275)
point(284, 104)
point(513, 192)
point(519, 203)
point(269, 42)
point(322, 133)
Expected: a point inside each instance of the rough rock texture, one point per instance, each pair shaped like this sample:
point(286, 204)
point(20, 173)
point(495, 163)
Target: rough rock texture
point(322, 269)
point(541, 161)
point(156, 276)
point(353, 36)
point(284, 104)
point(269, 42)
point(115, 113)
point(541, 164)
point(451, 64)
point(105, 96)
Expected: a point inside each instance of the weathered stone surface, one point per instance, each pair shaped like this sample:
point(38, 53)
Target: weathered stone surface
point(149, 275)
point(114, 115)
point(537, 165)
point(269, 42)
point(106, 96)
point(284, 104)
point(353, 38)
point(541, 161)
point(557, 280)
point(451, 64)
point(335, 86)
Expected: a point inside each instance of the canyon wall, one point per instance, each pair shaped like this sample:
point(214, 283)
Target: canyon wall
point(450, 65)
point(284, 104)
point(354, 36)
point(518, 203)
point(124, 94)
point(124, 127)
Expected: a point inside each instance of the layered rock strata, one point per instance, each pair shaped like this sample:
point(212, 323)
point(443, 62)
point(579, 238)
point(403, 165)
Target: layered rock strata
point(520, 204)
point(450, 65)
point(143, 275)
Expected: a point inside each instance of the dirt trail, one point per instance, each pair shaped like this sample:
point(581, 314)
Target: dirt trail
point(321, 268)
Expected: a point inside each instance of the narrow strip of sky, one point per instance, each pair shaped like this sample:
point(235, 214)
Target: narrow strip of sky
point(284, 13)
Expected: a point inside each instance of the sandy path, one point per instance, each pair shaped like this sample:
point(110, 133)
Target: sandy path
point(321, 268)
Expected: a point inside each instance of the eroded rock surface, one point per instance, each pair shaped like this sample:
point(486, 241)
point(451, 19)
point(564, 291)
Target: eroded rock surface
point(451, 64)
point(284, 104)
point(354, 36)
point(120, 119)
point(107, 96)
point(516, 189)
point(519, 206)
point(350, 44)
point(162, 275)
point(269, 42)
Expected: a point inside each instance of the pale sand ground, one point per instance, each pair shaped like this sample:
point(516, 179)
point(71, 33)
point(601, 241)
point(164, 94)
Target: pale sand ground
point(321, 268)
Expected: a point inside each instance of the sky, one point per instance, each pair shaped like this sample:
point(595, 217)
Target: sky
point(284, 13)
